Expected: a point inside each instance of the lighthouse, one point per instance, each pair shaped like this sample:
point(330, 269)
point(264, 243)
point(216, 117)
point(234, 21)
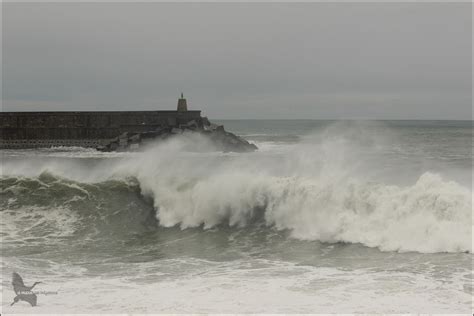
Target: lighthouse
point(182, 105)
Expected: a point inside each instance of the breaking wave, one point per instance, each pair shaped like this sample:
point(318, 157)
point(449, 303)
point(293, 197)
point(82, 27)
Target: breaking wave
point(430, 216)
point(314, 192)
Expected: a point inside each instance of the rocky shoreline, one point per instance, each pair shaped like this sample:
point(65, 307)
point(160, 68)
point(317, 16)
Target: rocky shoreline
point(221, 139)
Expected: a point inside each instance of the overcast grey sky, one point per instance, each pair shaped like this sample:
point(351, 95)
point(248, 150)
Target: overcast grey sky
point(242, 60)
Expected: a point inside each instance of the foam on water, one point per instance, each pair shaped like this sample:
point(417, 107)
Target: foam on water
point(293, 228)
point(314, 192)
point(319, 190)
point(36, 225)
point(260, 286)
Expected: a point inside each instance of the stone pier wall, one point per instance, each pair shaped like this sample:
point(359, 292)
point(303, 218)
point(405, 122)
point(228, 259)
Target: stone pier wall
point(84, 129)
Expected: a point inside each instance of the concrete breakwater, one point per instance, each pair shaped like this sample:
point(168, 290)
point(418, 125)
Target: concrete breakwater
point(84, 129)
point(110, 131)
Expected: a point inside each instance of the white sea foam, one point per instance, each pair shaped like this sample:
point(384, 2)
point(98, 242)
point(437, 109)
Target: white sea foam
point(314, 192)
point(430, 216)
point(34, 225)
point(318, 190)
point(256, 286)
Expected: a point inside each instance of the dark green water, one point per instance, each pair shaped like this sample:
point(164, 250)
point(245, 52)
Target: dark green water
point(325, 217)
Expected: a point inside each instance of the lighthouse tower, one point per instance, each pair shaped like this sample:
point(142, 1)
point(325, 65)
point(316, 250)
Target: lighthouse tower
point(182, 105)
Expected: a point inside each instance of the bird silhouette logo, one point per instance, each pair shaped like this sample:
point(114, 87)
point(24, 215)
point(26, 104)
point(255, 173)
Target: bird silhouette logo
point(23, 292)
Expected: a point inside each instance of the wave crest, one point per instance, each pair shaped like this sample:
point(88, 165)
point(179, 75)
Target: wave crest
point(316, 190)
point(431, 216)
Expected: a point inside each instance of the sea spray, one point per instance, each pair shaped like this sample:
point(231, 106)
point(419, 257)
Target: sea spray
point(295, 227)
point(320, 189)
point(430, 216)
point(315, 192)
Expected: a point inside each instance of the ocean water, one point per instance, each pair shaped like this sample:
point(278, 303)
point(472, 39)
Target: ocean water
point(327, 216)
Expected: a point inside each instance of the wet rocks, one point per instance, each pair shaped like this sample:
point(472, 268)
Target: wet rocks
point(219, 137)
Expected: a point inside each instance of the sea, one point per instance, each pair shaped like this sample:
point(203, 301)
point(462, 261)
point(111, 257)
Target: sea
point(326, 217)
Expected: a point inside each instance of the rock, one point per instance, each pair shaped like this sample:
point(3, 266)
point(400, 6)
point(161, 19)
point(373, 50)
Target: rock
point(222, 139)
point(192, 123)
point(206, 122)
point(134, 138)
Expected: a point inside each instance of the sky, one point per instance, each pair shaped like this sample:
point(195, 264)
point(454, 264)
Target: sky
point(241, 60)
